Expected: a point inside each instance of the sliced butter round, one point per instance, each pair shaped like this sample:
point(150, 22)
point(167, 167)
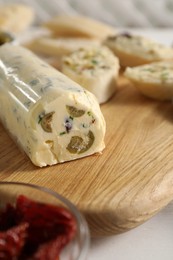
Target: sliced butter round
point(134, 50)
point(154, 80)
point(15, 18)
point(79, 26)
point(95, 69)
point(60, 46)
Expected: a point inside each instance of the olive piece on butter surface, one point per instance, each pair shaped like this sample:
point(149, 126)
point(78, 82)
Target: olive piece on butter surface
point(78, 145)
point(74, 112)
point(5, 37)
point(46, 122)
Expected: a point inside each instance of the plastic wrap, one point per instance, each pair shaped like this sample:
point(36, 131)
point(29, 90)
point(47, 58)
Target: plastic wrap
point(50, 117)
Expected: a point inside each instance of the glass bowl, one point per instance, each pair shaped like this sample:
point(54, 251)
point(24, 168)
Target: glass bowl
point(77, 249)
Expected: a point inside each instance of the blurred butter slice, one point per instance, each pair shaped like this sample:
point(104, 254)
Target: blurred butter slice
point(15, 18)
point(79, 26)
point(60, 46)
point(135, 50)
point(154, 80)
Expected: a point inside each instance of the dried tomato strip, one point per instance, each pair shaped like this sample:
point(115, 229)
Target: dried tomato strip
point(34, 230)
point(12, 241)
point(45, 221)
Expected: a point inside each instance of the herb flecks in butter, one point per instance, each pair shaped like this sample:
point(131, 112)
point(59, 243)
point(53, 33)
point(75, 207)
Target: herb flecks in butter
point(62, 133)
point(93, 120)
point(94, 61)
point(33, 82)
point(91, 61)
point(164, 75)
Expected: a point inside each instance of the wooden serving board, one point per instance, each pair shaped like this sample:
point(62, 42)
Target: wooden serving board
point(130, 182)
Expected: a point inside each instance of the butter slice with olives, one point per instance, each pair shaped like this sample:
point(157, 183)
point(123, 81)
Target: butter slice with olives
point(94, 68)
point(154, 80)
point(51, 117)
point(135, 50)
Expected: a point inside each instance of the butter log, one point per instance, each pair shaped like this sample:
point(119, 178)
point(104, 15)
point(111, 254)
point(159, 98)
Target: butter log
point(51, 117)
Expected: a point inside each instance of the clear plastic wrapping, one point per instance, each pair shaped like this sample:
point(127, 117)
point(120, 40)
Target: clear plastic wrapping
point(51, 117)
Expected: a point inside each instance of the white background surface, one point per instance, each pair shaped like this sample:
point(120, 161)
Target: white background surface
point(152, 240)
point(131, 13)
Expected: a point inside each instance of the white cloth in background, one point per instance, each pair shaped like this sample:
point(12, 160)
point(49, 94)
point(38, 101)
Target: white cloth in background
point(121, 13)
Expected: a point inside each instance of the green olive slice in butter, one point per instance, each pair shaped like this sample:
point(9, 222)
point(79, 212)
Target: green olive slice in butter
point(46, 122)
point(78, 145)
point(5, 37)
point(74, 112)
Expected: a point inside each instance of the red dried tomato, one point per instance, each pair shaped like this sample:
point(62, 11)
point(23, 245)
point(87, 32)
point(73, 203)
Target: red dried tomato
point(45, 221)
point(12, 241)
point(34, 230)
point(50, 250)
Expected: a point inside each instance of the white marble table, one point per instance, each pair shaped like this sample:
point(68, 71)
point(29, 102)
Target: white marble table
point(153, 240)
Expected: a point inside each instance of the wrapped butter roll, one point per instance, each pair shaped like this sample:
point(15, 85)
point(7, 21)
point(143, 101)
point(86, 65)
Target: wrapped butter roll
point(51, 117)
